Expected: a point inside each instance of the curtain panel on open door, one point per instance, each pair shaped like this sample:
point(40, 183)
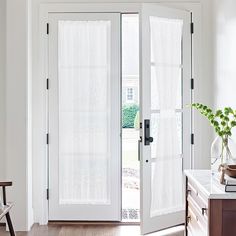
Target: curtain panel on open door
point(166, 123)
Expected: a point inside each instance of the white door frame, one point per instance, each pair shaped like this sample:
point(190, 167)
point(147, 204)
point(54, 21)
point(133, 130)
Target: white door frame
point(42, 68)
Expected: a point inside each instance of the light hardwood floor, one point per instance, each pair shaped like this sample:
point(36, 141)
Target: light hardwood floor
point(86, 230)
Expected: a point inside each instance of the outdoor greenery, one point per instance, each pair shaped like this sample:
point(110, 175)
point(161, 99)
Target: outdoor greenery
point(128, 115)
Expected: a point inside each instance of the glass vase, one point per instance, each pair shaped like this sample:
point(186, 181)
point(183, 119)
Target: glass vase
point(223, 152)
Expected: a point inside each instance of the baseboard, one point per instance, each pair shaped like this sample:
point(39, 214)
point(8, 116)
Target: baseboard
point(91, 223)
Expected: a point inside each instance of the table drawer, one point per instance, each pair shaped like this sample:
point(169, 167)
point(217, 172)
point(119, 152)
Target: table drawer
point(198, 214)
point(194, 227)
point(198, 197)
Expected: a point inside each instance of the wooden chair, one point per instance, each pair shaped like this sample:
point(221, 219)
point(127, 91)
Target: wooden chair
point(4, 210)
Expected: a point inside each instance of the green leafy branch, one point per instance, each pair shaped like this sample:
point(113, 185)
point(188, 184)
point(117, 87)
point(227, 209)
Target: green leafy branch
point(222, 120)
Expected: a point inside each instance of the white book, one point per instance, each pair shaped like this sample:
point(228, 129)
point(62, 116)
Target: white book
point(229, 180)
point(230, 188)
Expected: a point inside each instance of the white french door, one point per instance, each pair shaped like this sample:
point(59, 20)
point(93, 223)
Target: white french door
point(84, 116)
point(165, 85)
point(85, 122)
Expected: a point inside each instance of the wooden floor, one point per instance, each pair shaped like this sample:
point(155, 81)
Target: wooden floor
point(85, 230)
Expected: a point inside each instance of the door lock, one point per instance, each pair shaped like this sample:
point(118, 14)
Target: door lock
point(147, 138)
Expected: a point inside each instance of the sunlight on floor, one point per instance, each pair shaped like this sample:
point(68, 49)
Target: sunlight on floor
point(175, 231)
point(135, 231)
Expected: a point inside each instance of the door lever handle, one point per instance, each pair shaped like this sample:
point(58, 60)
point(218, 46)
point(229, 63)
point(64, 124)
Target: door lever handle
point(150, 139)
point(147, 138)
point(139, 151)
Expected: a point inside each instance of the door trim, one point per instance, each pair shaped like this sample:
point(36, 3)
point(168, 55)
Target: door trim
point(40, 50)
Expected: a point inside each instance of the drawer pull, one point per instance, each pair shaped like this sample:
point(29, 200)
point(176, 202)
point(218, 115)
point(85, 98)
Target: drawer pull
point(192, 189)
point(204, 210)
point(189, 218)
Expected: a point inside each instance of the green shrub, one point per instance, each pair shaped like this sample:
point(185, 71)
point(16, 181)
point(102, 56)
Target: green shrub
point(128, 115)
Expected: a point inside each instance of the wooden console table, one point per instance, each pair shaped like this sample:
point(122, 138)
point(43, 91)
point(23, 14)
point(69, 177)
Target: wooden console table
point(210, 211)
point(4, 210)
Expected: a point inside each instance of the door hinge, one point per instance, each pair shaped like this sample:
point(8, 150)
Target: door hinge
point(47, 84)
point(192, 83)
point(47, 138)
point(140, 125)
point(47, 193)
point(47, 28)
point(192, 139)
point(192, 27)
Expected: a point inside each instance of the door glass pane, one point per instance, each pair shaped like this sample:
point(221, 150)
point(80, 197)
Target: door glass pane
point(165, 77)
point(166, 60)
point(155, 128)
point(84, 111)
point(179, 124)
point(166, 123)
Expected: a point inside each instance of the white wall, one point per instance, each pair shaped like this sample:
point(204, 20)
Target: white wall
point(224, 19)
point(203, 93)
point(29, 118)
point(17, 77)
point(2, 85)
point(224, 33)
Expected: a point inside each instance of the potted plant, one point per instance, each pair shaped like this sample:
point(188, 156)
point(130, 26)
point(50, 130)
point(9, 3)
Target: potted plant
point(223, 148)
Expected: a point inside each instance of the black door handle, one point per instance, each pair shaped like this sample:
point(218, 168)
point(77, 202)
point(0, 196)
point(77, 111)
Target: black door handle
point(139, 144)
point(150, 139)
point(147, 138)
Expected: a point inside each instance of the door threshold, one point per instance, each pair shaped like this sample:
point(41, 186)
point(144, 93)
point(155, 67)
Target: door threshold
point(129, 221)
point(62, 222)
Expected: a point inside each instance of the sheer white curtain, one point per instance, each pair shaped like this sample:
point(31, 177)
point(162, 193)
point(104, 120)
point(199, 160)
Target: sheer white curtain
point(84, 111)
point(166, 41)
